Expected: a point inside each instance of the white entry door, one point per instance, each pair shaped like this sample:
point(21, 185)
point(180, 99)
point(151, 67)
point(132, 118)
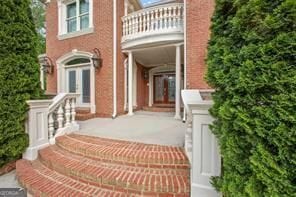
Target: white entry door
point(78, 81)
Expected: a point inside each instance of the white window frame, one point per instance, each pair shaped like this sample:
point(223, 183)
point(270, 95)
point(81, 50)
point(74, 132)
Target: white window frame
point(62, 20)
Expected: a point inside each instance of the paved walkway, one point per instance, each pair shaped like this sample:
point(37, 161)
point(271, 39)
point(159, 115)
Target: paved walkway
point(9, 180)
point(145, 127)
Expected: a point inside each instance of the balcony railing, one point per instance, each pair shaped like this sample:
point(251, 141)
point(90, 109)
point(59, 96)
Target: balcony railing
point(155, 20)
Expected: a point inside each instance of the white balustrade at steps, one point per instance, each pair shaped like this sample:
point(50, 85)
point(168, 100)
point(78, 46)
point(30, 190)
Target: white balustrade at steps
point(159, 19)
point(48, 119)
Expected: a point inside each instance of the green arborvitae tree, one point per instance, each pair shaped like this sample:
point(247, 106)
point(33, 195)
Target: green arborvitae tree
point(251, 64)
point(19, 75)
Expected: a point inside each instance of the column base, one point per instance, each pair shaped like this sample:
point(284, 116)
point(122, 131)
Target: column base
point(178, 117)
point(130, 113)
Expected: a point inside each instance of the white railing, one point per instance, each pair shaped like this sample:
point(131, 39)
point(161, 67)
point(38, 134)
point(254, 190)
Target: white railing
point(48, 119)
point(159, 19)
point(202, 147)
point(61, 116)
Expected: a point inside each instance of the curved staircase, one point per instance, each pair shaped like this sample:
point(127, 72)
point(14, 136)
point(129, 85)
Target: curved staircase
point(90, 166)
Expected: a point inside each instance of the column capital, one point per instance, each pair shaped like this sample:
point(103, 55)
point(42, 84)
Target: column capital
point(179, 44)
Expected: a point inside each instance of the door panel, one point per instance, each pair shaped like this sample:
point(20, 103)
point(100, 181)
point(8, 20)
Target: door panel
point(159, 85)
point(86, 86)
point(78, 81)
point(72, 81)
point(164, 88)
point(171, 88)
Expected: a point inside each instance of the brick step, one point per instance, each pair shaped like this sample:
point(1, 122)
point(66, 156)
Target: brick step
point(124, 152)
point(135, 180)
point(159, 109)
point(42, 181)
point(84, 116)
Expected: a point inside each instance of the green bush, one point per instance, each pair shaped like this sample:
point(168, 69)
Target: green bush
point(251, 64)
point(19, 75)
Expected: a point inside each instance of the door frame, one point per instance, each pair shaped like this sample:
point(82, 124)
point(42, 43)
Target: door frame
point(78, 70)
point(169, 68)
point(61, 74)
point(166, 86)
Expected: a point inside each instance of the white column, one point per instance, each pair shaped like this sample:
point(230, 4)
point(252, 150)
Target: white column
point(178, 82)
point(125, 84)
point(130, 83)
point(42, 78)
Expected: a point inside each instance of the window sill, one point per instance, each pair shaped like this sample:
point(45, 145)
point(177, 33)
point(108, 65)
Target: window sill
point(76, 33)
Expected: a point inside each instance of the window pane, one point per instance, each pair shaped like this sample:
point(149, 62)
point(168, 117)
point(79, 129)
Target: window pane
point(86, 86)
point(72, 81)
point(71, 10)
point(84, 6)
point(78, 61)
point(84, 22)
point(71, 25)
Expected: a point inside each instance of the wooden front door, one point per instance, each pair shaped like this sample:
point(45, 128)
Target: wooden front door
point(164, 88)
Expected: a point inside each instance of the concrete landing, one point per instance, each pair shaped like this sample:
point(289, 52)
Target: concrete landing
point(146, 127)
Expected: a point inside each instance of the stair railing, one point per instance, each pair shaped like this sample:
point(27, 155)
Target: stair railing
point(48, 119)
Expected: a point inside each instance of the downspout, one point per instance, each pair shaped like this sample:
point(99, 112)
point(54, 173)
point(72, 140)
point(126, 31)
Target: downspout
point(114, 59)
point(185, 53)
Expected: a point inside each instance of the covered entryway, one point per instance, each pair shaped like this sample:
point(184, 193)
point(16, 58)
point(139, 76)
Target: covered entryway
point(159, 81)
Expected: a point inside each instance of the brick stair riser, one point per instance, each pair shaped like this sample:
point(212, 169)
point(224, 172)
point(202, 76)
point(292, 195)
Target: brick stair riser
point(104, 180)
point(141, 161)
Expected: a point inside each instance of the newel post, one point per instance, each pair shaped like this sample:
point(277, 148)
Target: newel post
point(37, 127)
point(206, 160)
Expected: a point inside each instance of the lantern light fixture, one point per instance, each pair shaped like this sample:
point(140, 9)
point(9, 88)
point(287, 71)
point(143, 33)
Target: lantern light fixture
point(97, 59)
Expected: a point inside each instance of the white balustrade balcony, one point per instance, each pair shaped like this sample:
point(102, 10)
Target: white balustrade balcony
point(161, 21)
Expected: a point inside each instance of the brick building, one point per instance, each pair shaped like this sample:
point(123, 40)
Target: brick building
point(124, 55)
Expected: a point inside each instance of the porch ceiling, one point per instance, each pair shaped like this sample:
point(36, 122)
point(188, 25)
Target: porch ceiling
point(158, 56)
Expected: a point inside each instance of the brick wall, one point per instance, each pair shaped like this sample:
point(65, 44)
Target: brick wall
point(142, 88)
point(199, 13)
point(101, 38)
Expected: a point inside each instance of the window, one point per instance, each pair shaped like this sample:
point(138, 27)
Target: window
point(75, 18)
point(77, 15)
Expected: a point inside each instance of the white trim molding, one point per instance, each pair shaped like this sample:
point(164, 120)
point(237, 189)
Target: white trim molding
point(62, 25)
point(152, 72)
point(61, 74)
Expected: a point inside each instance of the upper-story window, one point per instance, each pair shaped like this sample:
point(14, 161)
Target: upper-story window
point(77, 15)
point(75, 18)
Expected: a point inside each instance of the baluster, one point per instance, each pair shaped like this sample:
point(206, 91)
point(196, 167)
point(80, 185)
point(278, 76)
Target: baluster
point(60, 116)
point(50, 125)
point(144, 22)
point(165, 18)
point(180, 16)
point(170, 17)
point(140, 21)
point(148, 21)
point(152, 20)
point(174, 17)
point(161, 18)
point(129, 25)
point(156, 20)
point(68, 113)
point(124, 26)
point(73, 110)
point(136, 24)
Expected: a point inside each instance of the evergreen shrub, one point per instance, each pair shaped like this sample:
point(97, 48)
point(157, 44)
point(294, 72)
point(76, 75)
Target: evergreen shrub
point(19, 75)
point(251, 64)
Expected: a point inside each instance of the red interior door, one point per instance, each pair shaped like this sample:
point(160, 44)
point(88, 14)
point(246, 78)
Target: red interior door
point(164, 88)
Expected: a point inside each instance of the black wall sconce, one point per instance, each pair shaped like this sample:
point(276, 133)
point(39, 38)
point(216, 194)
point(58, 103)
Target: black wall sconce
point(46, 64)
point(97, 59)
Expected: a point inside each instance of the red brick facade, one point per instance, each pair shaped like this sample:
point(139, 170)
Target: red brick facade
point(199, 13)
point(198, 23)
